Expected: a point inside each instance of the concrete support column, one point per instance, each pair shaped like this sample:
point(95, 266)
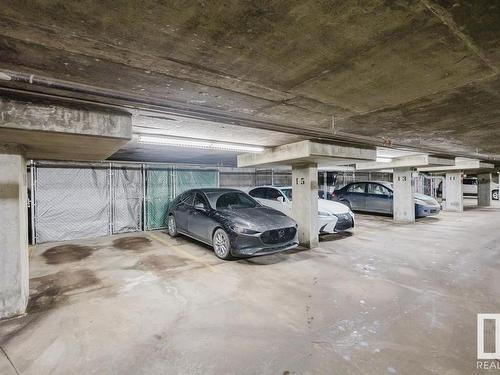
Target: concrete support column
point(14, 273)
point(484, 189)
point(495, 198)
point(404, 196)
point(305, 203)
point(454, 192)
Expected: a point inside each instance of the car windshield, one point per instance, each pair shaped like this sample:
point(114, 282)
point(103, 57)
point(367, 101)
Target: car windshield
point(288, 193)
point(389, 185)
point(235, 200)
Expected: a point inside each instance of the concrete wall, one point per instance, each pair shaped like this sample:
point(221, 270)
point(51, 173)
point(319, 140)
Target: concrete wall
point(14, 273)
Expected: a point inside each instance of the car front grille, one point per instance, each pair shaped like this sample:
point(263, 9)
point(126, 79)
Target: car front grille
point(278, 235)
point(344, 222)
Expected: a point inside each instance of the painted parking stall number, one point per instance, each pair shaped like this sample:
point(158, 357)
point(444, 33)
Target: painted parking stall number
point(302, 181)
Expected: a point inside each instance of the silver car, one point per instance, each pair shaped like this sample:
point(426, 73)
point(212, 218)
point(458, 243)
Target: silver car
point(377, 196)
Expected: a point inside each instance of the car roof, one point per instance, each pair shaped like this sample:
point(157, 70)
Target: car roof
point(214, 190)
point(272, 187)
point(384, 183)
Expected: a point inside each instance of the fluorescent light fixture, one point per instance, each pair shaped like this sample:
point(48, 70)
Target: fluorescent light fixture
point(381, 159)
point(198, 143)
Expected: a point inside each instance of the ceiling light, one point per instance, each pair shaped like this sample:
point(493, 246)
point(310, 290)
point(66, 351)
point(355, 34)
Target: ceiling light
point(198, 143)
point(381, 159)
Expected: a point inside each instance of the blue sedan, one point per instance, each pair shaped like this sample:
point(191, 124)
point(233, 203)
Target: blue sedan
point(375, 196)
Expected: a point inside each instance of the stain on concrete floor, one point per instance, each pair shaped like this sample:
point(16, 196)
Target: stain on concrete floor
point(47, 292)
point(138, 244)
point(159, 263)
point(67, 253)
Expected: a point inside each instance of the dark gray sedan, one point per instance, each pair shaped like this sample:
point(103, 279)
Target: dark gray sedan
point(232, 222)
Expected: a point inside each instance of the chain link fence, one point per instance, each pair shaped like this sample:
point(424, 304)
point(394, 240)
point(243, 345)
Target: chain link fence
point(71, 203)
point(159, 194)
point(82, 200)
point(126, 199)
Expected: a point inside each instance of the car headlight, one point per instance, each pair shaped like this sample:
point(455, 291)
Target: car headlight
point(242, 230)
point(324, 213)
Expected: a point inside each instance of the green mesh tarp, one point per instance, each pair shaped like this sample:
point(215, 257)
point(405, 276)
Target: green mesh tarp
point(186, 179)
point(159, 193)
point(163, 185)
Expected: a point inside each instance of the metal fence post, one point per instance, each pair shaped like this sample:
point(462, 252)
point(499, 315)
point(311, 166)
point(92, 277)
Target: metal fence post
point(32, 199)
point(144, 202)
point(110, 183)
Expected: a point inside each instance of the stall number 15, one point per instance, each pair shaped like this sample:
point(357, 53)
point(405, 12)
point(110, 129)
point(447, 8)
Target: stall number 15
point(302, 181)
point(402, 178)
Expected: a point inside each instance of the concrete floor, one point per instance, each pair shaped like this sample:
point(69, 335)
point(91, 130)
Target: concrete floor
point(388, 299)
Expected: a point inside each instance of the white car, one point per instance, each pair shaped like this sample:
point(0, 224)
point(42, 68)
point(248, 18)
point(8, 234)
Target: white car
point(470, 187)
point(333, 216)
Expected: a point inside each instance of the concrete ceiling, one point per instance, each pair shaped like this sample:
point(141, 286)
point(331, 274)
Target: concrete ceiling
point(418, 74)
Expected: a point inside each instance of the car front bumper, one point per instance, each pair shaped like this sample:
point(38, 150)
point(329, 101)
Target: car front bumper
point(423, 211)
point(335, 224)
point(245, 245)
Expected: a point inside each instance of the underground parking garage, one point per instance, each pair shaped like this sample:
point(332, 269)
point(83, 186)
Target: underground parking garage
point(249, 187)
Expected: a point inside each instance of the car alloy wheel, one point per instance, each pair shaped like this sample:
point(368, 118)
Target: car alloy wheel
point(221, 244)
point(172, 226)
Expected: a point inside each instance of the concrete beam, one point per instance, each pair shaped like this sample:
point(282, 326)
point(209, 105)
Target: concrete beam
point(57, 130)
point(307, 152)
point(412, 161)
point(472, 166)
point(339, 168)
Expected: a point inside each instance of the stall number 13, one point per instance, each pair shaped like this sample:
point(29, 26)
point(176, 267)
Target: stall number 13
point(402, 178)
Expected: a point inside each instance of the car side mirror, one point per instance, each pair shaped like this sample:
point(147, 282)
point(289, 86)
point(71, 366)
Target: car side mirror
point(200, 206)
point(281, 199)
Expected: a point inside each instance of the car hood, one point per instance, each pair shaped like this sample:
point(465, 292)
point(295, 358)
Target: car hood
point(259, 218)
point(426, 199)
point(332, 206)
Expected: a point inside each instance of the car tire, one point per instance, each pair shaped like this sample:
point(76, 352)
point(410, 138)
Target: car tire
point(221, 244)
point(172, 226)
point(495, 195)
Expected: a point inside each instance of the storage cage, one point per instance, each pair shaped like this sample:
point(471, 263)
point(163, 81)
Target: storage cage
point(81, 200)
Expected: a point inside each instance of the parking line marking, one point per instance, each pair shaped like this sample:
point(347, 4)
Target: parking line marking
point(183, 252)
